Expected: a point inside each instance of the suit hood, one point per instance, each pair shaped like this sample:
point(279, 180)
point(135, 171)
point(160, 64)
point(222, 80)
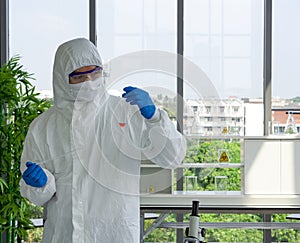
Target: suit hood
point(70, 56)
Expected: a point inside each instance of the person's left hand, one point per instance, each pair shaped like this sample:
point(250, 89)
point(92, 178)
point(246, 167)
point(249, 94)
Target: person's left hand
point(141, 98)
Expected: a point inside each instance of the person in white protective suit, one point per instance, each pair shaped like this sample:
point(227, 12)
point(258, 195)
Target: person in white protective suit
point(81, 158)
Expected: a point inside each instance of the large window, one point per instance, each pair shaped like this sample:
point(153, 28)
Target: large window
point(223, 100)
point(38, 27)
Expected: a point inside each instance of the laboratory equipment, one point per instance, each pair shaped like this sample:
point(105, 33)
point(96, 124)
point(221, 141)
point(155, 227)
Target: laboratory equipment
point(221, 184)
point(191, 183)
point(194, 234)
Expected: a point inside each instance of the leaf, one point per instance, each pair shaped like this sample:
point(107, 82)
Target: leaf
point(23, 106)
point(2, 185)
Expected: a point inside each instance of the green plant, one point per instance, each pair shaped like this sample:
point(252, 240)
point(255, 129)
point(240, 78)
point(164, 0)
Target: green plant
point(19, 105)
point(207, 152)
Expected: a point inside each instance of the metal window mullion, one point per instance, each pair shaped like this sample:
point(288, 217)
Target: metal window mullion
point(267, 233)
point(267, 66)
point(92, 22)
point(4, 43)
point(267, 87)
point(180, 79)
point(4, 55)
point(180, 44)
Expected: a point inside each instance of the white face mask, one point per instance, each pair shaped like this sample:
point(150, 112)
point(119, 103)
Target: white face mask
point(88, 90)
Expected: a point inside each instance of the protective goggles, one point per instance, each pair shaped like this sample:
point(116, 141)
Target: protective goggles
point(78, 77)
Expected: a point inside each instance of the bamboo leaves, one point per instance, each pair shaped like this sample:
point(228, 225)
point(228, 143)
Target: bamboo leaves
point(2, 185)
point(19, 105)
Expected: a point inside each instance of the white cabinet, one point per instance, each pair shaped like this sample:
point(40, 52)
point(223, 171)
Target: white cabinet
point(290, 167)
point(272, 166)
point(155, 179)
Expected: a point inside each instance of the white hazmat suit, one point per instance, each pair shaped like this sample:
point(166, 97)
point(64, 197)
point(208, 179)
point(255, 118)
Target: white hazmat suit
point(91, 153)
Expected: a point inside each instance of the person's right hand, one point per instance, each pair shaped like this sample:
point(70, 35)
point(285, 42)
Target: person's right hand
point(142, 99)
point(34, 175)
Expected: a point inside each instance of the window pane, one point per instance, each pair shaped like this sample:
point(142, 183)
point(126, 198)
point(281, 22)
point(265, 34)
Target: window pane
point(37, 28)
point(224, 38)
point(152, 26)
point(286, 48)
point(125, 30)
point(285, 67)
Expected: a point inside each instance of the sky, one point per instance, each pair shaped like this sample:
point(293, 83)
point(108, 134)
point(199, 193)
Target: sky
point(223, 37)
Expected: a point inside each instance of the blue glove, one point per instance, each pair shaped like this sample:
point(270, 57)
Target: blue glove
point(141, 98)
point(34, 175)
